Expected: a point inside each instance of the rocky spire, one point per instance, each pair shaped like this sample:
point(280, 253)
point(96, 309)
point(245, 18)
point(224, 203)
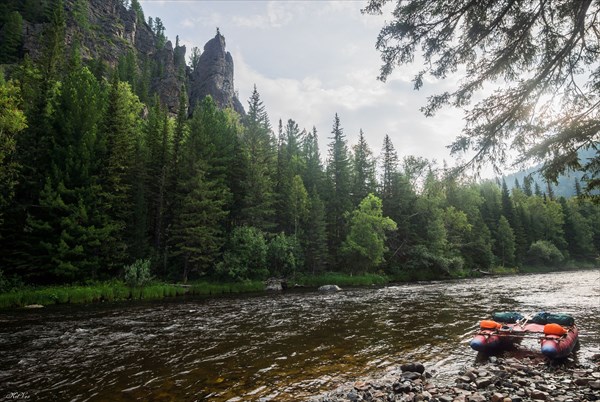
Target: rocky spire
point(214, 76)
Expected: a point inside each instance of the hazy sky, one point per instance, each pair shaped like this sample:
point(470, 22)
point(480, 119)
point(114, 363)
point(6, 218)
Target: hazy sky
point(312, 59)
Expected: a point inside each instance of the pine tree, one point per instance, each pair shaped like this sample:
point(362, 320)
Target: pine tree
point(505, 242)
point(157, 139)
point(577, 188)
point(75, 233)
point(12, 38)
point(363, 170)
point(120, 136)
point(313, 237)
point(297, 203)
point(197, 232)
point(338, 196)
point(389, 159)
point(313, 172)
point(289, 165)
point(259, 200)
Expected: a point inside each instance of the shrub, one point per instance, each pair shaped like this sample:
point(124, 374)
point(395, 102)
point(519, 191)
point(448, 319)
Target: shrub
point(246, 257)
point(138, 273)
point(543, 252)
point(283, 256)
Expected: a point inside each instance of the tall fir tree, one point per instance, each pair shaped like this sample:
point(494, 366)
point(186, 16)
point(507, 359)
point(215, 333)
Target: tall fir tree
point(74, 231)
point(363, 170)
point(313, 236)
point(118, 138)
point(258, 147)
point(313, 173)
point(338, 193)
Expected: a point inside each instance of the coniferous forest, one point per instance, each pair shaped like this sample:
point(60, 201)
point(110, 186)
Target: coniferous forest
point(96, 175)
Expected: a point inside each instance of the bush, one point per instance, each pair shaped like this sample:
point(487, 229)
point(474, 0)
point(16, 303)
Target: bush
point(283, 256)
point(543, 252)
point(246, 257)
point(138, 273)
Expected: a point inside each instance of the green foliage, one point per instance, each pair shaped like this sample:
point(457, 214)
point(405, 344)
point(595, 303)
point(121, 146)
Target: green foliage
point(365, 244)
point(138, 273)
point(283, 256)
point(543, 252)
point(505, 242)
point(11, 33)
point(246, 255)
point(363, 170)
point(93, 176)
point(257, 147)
point(536, 48)
point(12, 122)
point(338, 200)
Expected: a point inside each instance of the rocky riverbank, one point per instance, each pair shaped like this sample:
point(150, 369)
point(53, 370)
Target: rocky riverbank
point(500, 379)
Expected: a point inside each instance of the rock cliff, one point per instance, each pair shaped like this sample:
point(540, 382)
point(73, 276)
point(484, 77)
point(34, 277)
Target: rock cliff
point(110, 31)
point(214, 76)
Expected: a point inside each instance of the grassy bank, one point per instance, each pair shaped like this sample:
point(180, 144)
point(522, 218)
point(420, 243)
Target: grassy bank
point(112, 291)
point(117, 290)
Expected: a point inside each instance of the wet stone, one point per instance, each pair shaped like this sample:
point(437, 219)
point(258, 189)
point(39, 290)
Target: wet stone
point(483, 382)
point(464, 379)
point(410, 375)
point(539, 395)
point(476, 398)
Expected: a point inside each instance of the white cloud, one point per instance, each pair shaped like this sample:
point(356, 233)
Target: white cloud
point(276, 15)
point(323, 62)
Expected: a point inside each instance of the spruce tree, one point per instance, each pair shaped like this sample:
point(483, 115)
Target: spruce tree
point(313, 236)
point(505, 242)
point(313, 173)
point(12, 38)
point(338, 192)
point(257, 144)
point(363, 170)
point(389, 159)
point(75, 233)
point(119, 136)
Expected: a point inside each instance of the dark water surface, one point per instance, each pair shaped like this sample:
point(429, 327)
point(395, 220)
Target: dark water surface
point(281, 346)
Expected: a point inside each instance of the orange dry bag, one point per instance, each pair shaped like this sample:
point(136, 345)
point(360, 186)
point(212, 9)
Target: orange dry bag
point(554, 329)
point(489, 324)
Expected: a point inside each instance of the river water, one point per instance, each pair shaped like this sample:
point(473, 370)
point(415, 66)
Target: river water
point(284, 346)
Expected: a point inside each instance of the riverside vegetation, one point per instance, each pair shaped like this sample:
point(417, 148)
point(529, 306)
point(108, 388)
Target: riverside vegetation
point(98, 176)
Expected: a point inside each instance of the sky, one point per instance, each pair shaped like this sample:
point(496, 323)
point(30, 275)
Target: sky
point(312, 59)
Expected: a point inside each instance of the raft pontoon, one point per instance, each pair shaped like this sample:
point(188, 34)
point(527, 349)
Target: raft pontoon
point(557, 333)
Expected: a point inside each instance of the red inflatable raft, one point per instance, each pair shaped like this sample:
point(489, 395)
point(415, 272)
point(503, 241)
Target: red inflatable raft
point(557, 341)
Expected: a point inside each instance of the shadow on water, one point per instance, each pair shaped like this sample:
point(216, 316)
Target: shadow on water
point(283, 346)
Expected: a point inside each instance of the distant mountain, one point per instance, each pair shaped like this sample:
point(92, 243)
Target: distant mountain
point(110, 36)
point(566, 183)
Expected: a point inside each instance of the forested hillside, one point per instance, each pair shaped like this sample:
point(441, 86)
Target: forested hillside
point(96, 173)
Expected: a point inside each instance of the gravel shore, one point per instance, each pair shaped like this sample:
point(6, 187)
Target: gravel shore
point(498, 379)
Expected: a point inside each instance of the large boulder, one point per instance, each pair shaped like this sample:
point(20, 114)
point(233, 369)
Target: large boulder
point(329, 288)
point(275, 285)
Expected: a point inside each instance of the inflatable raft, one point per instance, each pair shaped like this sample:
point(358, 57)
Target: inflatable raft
point(557, 333)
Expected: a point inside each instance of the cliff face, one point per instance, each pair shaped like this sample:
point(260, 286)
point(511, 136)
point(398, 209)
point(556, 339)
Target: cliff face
point(214, 76)
point(111, 31)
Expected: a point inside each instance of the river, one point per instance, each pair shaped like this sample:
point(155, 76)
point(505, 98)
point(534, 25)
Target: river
point(284, 346)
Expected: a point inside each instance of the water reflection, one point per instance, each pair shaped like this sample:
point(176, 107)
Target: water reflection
point(269, 345)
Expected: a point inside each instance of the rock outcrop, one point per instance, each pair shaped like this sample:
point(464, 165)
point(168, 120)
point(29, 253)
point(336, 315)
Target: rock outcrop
point(110, 32)
point(214, 76)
